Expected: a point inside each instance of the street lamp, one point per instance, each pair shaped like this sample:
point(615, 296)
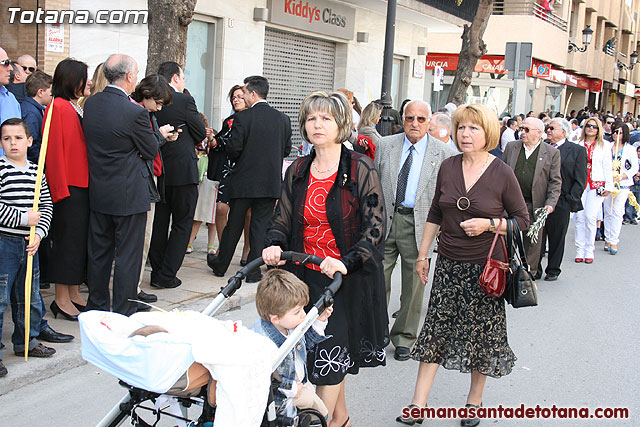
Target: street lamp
point(633, 60)
point(587, 34)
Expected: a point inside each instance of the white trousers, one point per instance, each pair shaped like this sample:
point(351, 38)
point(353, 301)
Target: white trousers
point(585, 232)
point(613, 213)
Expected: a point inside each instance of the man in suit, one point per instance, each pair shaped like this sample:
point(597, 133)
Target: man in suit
point(537, 168)
point(260, 139)
point(408, 164)
point(574, 179)
point(119, 140)
point(180, 182)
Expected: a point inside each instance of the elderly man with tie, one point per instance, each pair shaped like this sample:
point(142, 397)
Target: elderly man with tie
point(408, 164)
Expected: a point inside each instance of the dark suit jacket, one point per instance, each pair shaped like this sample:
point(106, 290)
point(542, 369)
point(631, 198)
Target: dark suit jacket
point(179, 157)
point(119, 140)
point(260, 139)
point(547, 180)
point(574, 176)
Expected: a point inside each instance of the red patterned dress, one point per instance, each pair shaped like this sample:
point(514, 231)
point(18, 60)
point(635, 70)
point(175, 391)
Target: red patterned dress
point(318, 237)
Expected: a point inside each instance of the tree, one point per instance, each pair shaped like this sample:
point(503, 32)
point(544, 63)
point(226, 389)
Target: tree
point(167, 25)
point(472, 49)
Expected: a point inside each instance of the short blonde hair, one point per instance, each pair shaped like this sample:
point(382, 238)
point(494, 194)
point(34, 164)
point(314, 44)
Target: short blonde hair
point(278, 292)
point(336, 104)
point(481, 116)
point(599, 136)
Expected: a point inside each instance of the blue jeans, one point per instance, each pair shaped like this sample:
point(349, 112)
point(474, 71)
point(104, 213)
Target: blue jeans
point(629, 211)
point(13, 266)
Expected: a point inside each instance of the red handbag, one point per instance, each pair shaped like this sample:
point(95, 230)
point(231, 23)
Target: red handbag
point(493, 279)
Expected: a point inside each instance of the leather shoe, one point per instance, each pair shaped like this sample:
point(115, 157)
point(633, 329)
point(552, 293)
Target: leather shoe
point(38, 351)
point(49, 335)
point(551, 277)
point(143, 296)
point(537, 276)
point(579, 259)
point(588, 260)
point(401, 353)
point(3, 370)
point(142, 307)
point(410, 420)
point(211, 262)
point(395, 314)
point(166, 284)
point(470, 422)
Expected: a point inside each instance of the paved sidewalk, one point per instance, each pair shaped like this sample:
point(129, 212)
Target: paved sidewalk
point(199, 287)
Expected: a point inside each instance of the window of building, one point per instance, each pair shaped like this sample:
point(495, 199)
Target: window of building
point(198, 70)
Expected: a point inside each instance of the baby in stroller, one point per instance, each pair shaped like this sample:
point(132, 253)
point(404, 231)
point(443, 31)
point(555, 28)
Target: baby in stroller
point(280, 300)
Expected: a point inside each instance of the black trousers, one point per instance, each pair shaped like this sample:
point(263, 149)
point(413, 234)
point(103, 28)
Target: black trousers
point(261, 213)
point(166, 251)
point(122, 237)
point(555, 229)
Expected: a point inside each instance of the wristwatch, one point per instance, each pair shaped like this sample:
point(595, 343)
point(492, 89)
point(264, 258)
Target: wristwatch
point(492, 227)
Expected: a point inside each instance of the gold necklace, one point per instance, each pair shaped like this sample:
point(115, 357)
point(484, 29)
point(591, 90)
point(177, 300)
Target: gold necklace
point(327, 170)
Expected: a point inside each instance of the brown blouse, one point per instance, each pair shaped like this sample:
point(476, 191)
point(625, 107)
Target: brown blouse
point(496, 191)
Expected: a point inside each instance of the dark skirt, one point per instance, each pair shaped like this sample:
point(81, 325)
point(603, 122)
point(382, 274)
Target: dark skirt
point(464, 329)
point(349, 346)
point(69, 234)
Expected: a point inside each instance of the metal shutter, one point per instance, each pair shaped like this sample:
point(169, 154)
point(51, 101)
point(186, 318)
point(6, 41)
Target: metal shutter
point(295, 66)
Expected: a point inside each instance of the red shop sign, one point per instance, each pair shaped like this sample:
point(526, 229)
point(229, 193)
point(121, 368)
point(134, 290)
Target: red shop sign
point(449, 61)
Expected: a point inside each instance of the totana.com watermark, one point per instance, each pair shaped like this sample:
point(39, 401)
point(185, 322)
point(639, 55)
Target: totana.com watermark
point(18, 15)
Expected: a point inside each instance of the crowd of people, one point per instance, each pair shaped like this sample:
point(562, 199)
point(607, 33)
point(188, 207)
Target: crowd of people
point(132, 170)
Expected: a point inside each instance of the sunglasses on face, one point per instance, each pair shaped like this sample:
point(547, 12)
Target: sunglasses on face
point(551, 128)
point(5, 62)
point(617, 131)
point(591, 126)
point(410, 119)
point(609, 123)
point(527, 130)
point(29, 69)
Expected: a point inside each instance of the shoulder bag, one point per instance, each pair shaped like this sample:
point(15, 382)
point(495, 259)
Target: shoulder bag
point(493, 278)
point(521, 288)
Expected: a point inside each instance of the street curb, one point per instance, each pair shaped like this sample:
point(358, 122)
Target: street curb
point(69, 356)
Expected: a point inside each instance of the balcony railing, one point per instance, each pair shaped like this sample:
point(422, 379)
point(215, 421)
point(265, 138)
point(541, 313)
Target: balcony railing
point(530, 8)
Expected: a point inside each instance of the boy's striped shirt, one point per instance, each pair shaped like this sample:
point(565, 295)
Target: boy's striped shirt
point(17, 190)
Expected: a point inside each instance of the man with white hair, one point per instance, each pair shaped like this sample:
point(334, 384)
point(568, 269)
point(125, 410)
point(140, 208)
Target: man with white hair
point(440, 128)
point(574, 179)
point(537, 168)
point(408, 164)
point(119, 142)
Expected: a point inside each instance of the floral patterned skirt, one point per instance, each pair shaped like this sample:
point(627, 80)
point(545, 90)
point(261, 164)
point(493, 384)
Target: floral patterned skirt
point(464, 329)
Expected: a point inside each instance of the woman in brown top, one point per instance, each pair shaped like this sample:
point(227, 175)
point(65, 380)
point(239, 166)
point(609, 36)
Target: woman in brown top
point(465, 329)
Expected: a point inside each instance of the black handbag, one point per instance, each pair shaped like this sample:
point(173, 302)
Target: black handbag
point(521, 290)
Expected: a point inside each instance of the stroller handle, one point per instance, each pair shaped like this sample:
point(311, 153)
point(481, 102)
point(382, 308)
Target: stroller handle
point(326, 300)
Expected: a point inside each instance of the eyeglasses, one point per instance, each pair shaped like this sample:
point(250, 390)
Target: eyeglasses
point(29, 69)
point(609, 123)
point(617, 131)
point(410, 119)
point(5, 62)
point(591, 126)
point(551, 128)
point(527, 130)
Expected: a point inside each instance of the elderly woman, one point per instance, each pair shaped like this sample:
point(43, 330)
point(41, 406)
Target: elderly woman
point(331, 206)
point(625, 166)
point(465, 329)
point(68, 177)
point(599, 185)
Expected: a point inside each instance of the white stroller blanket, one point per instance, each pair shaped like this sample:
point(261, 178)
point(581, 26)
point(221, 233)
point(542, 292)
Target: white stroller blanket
point(237, 358)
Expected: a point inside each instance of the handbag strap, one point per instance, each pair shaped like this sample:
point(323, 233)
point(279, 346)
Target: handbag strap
point(517, 235)
point(495, 239)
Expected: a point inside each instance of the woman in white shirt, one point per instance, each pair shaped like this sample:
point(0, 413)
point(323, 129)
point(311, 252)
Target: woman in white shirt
point(599, 185)
point(625, 166)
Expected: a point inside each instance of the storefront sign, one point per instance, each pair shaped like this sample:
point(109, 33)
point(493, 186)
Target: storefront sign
point(495, 64)
point(630, 89)
point(418, 68)
point(317, 16)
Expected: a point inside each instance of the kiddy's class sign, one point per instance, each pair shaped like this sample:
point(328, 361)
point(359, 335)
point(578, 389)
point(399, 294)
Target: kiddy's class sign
point(317, 16)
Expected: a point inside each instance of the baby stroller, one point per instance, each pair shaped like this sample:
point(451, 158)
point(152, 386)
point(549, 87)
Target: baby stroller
point(139, 401)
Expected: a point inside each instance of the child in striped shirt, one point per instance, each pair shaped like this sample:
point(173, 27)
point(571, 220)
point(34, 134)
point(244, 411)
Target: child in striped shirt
point(17, 190)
